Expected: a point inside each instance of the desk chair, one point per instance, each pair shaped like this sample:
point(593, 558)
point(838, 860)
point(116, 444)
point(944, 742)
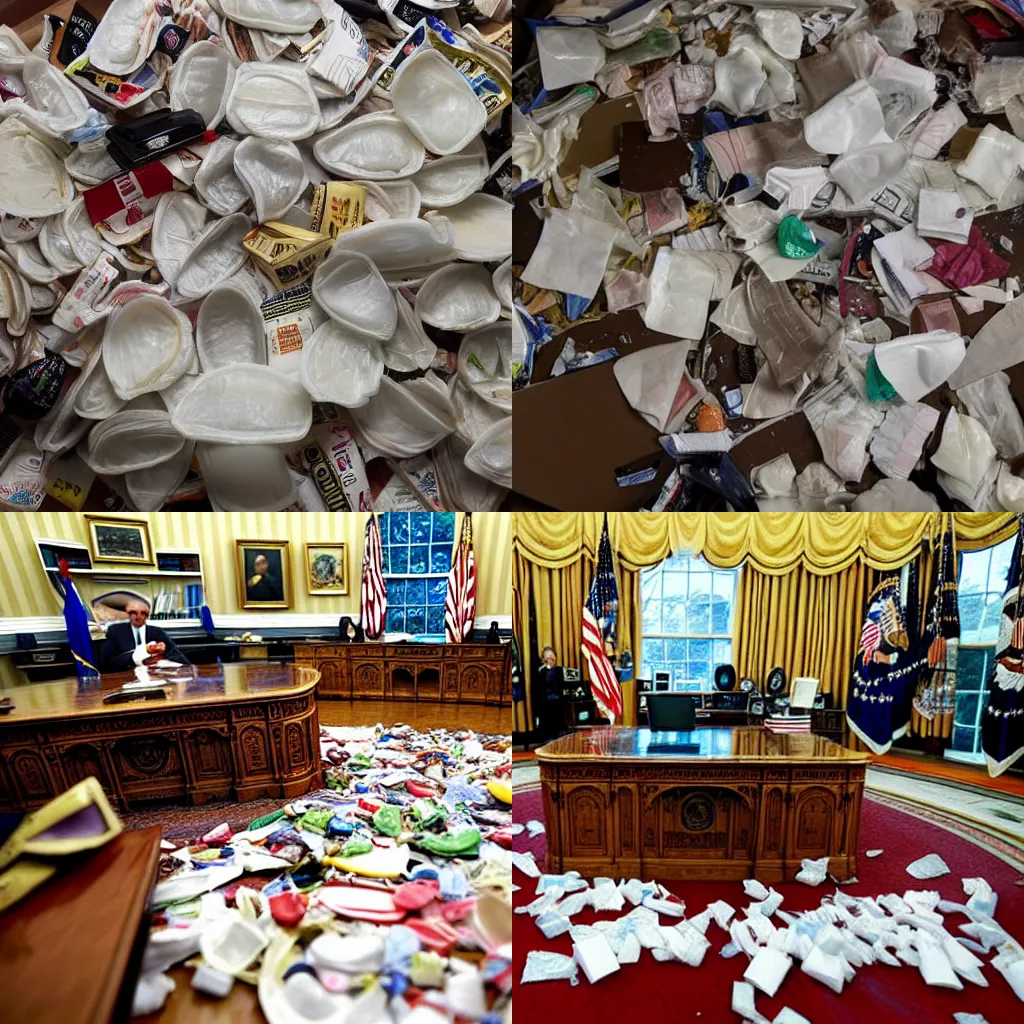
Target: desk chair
point(670, 712)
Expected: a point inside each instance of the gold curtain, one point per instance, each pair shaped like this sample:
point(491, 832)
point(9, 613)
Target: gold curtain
point(806, 624)
point(772, 542)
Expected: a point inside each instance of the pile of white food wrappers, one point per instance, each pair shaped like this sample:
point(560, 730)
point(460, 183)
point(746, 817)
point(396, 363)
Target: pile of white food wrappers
point(247, 248)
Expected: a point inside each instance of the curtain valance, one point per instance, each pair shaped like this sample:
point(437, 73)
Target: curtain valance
point(774, 543)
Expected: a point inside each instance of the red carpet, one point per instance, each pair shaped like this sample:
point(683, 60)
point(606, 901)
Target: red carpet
point(652, 992)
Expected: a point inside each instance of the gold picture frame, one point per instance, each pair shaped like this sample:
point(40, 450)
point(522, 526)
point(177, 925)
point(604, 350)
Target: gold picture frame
point(119, 540)
point(270, 588)
point(326, 570)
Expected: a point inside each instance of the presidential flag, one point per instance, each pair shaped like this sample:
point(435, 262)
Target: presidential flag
point(598, 627)
point(460, 601)
point(373, 601)
point(76, 621)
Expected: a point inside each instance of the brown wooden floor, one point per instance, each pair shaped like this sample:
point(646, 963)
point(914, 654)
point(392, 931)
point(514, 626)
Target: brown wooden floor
point(420, 715)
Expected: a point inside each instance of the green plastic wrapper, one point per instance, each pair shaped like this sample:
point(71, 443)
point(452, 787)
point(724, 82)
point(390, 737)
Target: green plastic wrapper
point(388, 820)
point(462, 844)
point(265, 820)
point(315, 821)
point(355, 846)
point(795, 239)
point(426, 811)
point(878, 388)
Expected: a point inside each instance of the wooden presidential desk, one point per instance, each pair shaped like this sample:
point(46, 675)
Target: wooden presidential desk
point(474, 673)
point(237, 731)
point(716, 803)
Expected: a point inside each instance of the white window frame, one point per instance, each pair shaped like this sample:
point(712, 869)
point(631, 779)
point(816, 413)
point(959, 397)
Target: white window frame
point(428, 576)
point(712, 571)
point(995, 585)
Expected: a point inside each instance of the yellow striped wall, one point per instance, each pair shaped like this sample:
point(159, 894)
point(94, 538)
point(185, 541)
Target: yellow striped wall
point(25, 592)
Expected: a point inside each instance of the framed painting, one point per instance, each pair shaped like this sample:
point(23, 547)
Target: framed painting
point(119, 540)
point(263, 570)
point(326, 572)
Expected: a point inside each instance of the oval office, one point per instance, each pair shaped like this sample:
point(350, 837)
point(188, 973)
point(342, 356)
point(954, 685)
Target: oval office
point(174, 685)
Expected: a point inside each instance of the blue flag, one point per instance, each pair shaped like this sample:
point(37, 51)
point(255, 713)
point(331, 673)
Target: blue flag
point(76, 621)
point(206, 618)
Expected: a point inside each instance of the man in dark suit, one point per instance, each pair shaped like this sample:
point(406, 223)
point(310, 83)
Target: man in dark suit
point(263, 585)
point(134, 642)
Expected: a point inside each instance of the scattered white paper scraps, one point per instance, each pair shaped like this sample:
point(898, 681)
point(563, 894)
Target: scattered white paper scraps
point(526, 863)
point(812, 872)
point(535, 828)
point(873, 853)
point(930, 866)
point(517, 828)
point(1006, 243)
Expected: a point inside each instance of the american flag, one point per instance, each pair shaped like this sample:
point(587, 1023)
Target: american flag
point(870, 638)
point(373, 602)
point(460, 602)
point(599, 622)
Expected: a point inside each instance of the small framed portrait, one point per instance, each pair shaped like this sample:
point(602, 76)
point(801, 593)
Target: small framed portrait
point(264, 573)
point(119, 540)
point(326, 571)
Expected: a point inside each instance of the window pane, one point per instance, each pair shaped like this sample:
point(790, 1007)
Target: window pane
point(443, 526)
point(435, 620)
point(700, 603)
point(700, 650)
point(440, 558)
point(675, 650)
point(654, 656)
point(721, 609)
point(418, 559)
point(673, 603)
point(650, 600)
point(723, 652)
point(963, 739)
point(967, 708)
point(398, 527)
point(416, 620)
point(437, 591)
point(399, 559)
point(396, 592)
point(419, 527)
point(396, 620)
point(416, 592)
point(972, 668)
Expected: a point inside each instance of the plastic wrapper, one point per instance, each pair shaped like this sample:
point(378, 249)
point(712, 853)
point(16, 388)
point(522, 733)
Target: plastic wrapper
point(244, 404)
point(275, 101)
point(201, 81)
point(273, 174)
point(569, 55)
point(843, 422)
point(988, 400)
point(544, 966)
point(377, 146)
point(437, 103)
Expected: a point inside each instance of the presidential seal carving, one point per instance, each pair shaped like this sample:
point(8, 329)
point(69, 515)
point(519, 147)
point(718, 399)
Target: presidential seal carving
point(698, 812)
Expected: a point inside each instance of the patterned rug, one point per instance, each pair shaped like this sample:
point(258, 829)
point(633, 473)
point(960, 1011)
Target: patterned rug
point(194, 822)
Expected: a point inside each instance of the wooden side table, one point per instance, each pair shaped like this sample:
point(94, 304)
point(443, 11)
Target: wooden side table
point(70, 951)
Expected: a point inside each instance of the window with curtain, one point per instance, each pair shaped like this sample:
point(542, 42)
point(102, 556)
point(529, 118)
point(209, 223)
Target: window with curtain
point(687, 608)
point(980, 592)
point(416, 555)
